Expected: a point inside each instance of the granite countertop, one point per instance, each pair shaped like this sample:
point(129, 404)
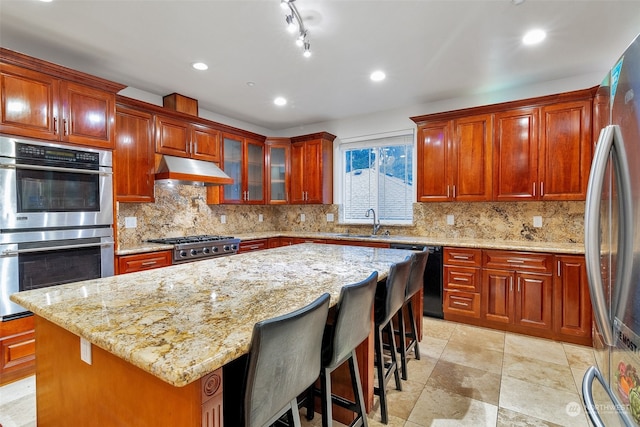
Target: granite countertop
point(182, 322)
point(512, 245)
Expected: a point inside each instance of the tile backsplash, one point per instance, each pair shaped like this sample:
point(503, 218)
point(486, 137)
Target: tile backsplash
point(182, 210)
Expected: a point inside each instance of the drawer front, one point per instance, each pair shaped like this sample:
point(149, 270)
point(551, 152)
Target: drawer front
point(462, 303)
point(148, 261)
point(463, 256)
point(462, 278)
point(253, 245)
point(518, 261)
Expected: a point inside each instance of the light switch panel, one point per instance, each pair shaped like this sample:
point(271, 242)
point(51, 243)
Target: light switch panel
point(223, 219)
point(260, 218)
point(130, 222)
point(329, 217)
point(302, 218)
point(450, 220)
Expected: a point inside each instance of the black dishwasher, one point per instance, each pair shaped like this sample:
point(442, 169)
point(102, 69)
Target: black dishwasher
point(432, 278)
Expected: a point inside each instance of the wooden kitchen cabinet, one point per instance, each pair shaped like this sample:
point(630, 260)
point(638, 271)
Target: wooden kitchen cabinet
point(17, 349)
point(243, 160)
point(134, 156)
point(278, 166)
point(46, 106)
point(462, 283)
point(145, 261)
point(253, 245)
point(518, 289)
point(179, 137)
point(276, 242)
point(454, 159)
point(572, 310)
point(543, 153)
point(312, 169)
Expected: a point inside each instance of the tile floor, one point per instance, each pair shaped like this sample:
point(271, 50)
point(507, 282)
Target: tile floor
point(466, 376)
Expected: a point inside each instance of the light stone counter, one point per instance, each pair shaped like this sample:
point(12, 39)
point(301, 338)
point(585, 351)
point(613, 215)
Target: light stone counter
point(512, 245)
point(182, 322)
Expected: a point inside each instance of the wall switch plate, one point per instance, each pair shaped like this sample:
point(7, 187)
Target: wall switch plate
point(223, 219)
point(260, 218)
point(85, 351)
point(130, 222)
point(537, 221)
point(329, 217)
point(450, 220)
point(301, 217)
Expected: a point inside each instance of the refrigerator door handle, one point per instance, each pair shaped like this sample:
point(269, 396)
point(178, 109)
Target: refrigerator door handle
point(589, 404)
point(592, 234)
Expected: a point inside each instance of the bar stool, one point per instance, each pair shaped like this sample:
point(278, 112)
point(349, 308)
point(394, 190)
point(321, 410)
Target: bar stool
point(284, 361)
point(414, 285)
point(351, 326)
point(389, 300)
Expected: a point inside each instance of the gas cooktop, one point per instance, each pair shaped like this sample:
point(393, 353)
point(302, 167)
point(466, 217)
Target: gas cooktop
point(194, 248)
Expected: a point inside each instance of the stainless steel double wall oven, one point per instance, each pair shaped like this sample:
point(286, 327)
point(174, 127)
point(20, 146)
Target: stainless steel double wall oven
point(56, 217)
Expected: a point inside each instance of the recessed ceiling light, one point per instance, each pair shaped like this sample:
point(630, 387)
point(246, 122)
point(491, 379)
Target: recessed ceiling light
point(280, 101)
point(201, 66)
point(534, 37)
point(46, 1)
point(251, 84)
point(377, 76)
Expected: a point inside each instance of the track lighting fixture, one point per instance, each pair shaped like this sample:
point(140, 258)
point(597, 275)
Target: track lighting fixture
point(293, 17)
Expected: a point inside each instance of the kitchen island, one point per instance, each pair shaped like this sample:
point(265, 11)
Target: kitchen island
point(158, 339)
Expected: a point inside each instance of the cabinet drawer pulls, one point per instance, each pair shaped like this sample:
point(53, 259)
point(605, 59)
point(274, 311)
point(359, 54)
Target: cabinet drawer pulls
point(147, 263)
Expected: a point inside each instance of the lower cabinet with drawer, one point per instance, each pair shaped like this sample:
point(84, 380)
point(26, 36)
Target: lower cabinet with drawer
point(144, 261)
point(518, 289)
point(17, 349)
point(532, 293)
point(462, 280)
point(253, 245)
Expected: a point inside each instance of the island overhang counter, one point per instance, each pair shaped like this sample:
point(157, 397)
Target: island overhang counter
point(178, 326)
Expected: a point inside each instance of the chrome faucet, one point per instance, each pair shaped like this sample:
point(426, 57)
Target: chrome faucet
point(376, 225)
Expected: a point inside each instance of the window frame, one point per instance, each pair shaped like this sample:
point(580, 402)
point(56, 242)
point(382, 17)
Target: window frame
point(372, 141)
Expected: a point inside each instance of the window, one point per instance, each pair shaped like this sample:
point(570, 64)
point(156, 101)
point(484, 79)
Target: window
point(378, 173)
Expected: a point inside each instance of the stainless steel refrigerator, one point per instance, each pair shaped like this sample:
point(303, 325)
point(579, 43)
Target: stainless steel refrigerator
point(611, 390)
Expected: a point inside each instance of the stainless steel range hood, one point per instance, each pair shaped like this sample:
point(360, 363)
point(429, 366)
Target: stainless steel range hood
point(191, 171)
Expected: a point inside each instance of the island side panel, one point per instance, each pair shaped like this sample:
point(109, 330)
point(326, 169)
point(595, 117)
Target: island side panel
point(109, 392)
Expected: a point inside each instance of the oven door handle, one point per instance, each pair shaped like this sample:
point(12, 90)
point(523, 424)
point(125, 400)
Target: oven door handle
point(10, 252)
point(54, 169)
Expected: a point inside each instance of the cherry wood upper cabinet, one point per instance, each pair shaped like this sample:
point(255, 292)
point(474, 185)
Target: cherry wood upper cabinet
point(278, 166)
point(472, 157)
point(134, 156)
point(531, 149)
point(179, 137)
point(312, 169)
point(434, 140)
point(243, 160)
point(454, 159)
point(46, 101)
point(565, 150)
point(515, 154)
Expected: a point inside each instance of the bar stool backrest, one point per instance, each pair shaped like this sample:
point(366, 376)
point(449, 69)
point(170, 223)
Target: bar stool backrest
point(284, 360)
point(396, 288)
point(416, 277)
point(353, 320)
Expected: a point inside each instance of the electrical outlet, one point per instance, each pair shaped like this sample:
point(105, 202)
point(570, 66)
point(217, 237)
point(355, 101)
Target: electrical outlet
point(537, 221)
point(130, 222)
point(302, 218)
point(260, 218)
point(223, 219)
point(85, 351)
point(329, 217)
point(450, 220)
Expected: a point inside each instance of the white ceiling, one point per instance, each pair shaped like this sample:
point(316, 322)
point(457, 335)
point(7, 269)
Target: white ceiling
point(430, 50)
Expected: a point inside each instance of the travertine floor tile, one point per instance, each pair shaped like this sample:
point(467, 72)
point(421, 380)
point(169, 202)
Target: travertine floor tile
point(437, 328)
point(579, 356)
point(473, 357)
point(507, 418)
point(477, 384)
point(549, 404)
point(536, 348)
point(437, 407)
point(539, 372)
point(478, 337)
point(432, 347)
